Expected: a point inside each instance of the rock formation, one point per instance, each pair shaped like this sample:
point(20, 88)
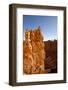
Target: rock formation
point(34, 52)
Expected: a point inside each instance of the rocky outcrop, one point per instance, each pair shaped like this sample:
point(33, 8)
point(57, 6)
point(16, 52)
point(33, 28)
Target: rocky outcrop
point(34, 52)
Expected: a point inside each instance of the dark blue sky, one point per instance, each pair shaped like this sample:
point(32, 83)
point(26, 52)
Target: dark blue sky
point(48, 25)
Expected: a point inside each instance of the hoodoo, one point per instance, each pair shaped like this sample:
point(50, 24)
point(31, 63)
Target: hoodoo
point(34, 53)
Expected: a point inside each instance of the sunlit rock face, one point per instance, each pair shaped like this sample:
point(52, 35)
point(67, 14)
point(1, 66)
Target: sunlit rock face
point(34, 53)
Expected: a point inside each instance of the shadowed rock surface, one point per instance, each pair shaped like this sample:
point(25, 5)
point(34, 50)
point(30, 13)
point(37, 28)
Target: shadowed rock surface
point(51, 56)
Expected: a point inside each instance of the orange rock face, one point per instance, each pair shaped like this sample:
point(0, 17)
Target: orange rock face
point(34, 54)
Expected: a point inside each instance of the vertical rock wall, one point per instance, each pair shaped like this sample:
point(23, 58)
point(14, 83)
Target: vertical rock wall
point(34, 53)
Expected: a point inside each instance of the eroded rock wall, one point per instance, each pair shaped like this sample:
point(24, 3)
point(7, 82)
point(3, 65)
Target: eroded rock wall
point(34, 53)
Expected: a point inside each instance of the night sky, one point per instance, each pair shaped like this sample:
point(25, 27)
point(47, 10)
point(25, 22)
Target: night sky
point(48, 25)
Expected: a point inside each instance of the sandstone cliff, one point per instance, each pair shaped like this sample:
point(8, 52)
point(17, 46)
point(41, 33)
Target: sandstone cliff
point(34, 53)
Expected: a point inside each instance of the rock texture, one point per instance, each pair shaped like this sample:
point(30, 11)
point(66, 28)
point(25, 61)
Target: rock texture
point(34, 52)
point(51, 55)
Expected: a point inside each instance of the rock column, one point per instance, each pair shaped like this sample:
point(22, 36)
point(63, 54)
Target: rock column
point(34, 52)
